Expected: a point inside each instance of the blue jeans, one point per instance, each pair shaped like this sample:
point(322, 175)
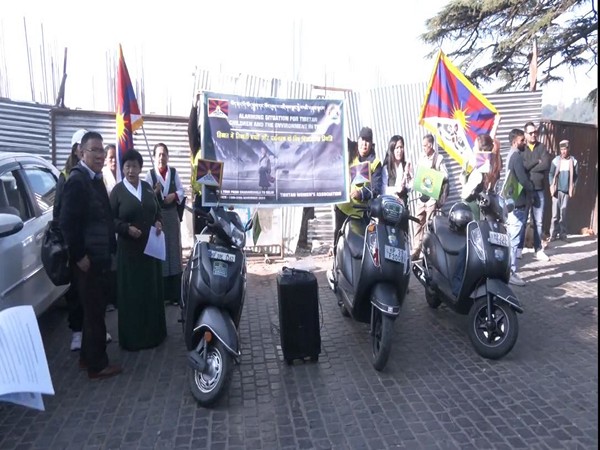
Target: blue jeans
point(537, 215)
point(515, 225)
point(558, 225)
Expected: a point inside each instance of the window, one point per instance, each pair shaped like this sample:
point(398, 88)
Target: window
point(12, 193)
point(43, 185)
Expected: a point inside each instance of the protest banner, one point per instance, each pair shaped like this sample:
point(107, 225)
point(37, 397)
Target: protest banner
point(275, 152)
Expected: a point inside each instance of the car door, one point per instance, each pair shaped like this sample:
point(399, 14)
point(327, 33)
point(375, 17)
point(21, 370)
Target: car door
point(30, 189)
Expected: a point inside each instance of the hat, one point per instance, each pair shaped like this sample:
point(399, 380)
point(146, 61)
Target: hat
point(563, 143)
point(77, 136)
point(366, 134)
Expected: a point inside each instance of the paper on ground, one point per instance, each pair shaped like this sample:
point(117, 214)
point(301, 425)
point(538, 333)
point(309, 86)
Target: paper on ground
point(23, 365)
point(156, 246)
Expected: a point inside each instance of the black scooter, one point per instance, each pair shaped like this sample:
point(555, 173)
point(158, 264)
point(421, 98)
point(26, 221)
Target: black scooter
point(372, 268)
point(213, 291)
point(484, 293)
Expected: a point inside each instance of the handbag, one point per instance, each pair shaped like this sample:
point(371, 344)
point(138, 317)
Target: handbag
point(55, 255)
point(181, 208)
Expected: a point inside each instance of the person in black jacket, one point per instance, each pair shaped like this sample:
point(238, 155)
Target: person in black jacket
point(517, 218)
point(87, 224)
point(536, 160)
point(75, 311)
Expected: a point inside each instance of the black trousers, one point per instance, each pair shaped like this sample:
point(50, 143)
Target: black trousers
point(74, 308)
point(199, 221)
point(92, 289)
point(339, 218)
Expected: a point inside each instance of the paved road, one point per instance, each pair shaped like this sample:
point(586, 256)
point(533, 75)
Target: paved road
point(435, 393)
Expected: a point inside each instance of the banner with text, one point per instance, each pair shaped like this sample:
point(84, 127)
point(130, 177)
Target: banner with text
point(275, 151)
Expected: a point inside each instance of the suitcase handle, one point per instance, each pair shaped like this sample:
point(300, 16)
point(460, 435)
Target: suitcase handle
point(290, 270)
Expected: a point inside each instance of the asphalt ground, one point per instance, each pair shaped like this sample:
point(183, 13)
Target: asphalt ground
point(435, 392)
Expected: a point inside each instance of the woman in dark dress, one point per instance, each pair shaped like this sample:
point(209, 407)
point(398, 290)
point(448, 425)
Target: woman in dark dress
point(264, 170)
point(142, 321)
point(169, 192)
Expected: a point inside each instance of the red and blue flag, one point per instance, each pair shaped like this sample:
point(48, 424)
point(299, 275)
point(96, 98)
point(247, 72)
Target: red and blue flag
point(455, 111)
point(128, 116)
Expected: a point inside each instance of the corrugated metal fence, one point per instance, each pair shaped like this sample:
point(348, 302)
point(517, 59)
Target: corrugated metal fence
point(390, 110)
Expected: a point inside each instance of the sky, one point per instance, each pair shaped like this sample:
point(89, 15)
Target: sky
point(334, 43)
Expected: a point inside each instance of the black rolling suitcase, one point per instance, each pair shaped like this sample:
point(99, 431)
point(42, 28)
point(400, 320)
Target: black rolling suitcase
point(298, 298)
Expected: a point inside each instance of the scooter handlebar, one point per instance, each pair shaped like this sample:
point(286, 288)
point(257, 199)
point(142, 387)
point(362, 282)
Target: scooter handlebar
point(205, 215)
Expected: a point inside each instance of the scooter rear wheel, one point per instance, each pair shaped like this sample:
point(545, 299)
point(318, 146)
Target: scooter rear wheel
point(495, 338)
point(208, 386)
point(381, 339)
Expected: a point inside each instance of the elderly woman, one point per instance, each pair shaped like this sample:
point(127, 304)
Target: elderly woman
point(169, 192)
point(135, 209)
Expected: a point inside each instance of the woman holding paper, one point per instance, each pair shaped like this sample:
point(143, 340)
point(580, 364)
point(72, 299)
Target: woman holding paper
point(136, 214)
point(169, 192)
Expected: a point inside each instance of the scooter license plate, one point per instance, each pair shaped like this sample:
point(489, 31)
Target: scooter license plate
point(394, 253)
point(221, 256)
point(499, 239)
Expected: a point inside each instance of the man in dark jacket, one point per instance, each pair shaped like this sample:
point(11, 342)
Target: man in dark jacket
point(87, 224)
point(536, 160)
point(517, 219)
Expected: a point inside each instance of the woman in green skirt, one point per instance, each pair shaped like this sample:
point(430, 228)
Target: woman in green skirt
point(142, 321)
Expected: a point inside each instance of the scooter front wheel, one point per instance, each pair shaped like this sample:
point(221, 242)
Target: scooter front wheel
point(381, 338)
point(433, 299)
point(495, 336)
point(208, 386)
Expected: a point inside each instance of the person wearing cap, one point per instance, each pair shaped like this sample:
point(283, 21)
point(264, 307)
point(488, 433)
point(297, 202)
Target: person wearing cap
point(562, 178)
point(536, 159)
point(194, 139)
point(426, 206)
point(359, 152)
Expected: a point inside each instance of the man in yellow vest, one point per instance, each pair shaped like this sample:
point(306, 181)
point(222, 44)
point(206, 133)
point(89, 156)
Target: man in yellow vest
point(195, 156)
point(359, 152)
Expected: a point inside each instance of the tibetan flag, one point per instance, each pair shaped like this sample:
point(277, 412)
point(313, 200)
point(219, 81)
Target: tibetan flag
point(256, 227)
point(128, 116)
point(455, 111)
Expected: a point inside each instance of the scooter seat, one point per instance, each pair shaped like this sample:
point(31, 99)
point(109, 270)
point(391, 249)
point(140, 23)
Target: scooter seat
point(452, 241)
point(354, 234)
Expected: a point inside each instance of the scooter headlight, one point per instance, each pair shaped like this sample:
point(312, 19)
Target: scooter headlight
point(477, 241)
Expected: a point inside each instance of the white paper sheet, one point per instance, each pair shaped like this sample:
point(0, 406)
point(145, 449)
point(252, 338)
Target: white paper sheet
point(24, 373)
point(156, 246)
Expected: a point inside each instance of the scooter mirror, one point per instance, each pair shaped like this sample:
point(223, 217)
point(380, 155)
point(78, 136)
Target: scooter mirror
point(510, 205)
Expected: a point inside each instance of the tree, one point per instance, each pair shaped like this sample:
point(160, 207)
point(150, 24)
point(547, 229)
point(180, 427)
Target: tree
point(494, 38)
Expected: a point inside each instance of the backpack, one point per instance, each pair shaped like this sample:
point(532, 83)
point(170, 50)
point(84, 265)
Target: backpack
point(55, 255)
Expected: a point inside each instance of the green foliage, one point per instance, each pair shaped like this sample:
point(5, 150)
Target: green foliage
point(492, 40)
point(580, 111)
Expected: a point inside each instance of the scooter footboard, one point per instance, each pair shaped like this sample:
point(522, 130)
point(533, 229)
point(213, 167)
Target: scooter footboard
point(221, 326)
point(501, 290)
point(385, 298)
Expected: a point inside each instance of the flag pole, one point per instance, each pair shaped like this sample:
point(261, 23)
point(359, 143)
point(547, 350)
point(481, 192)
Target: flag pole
point(148, 147)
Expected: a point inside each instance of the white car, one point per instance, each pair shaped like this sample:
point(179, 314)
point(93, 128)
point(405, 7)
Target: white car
point(27, 189)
